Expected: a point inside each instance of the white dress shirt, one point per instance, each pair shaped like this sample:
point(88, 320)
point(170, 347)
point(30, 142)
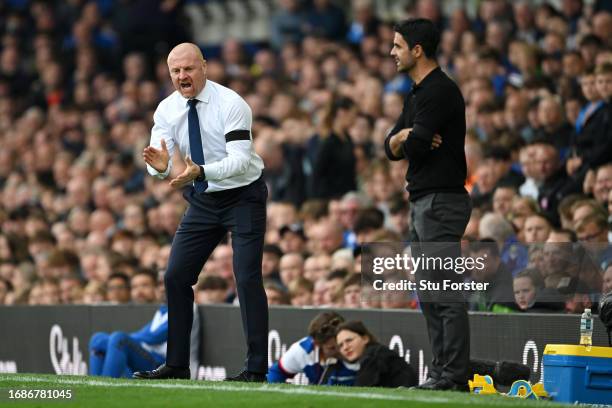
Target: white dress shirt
point(529, 189)
point(225, 118)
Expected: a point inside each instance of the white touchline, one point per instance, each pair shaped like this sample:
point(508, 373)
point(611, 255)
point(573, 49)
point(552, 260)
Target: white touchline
point(298, 390)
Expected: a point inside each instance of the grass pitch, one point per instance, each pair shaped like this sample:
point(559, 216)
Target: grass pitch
point(103, 392)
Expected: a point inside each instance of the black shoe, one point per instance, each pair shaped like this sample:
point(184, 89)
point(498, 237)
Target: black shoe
point(427, 385)
point(248, 376)
point(444, 384)
point(163, 372)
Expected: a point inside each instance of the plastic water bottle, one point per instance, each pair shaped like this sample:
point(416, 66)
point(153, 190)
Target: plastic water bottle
point(586, 328)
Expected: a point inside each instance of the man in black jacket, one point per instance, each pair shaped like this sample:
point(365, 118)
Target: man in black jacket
point(554, 182)
point(592, 141)
point(430, 134)
point(499, 296)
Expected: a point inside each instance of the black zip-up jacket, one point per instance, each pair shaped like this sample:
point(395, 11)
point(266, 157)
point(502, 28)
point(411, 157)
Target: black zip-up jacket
point(382, 367)
point(434, 106)
point(594, 143)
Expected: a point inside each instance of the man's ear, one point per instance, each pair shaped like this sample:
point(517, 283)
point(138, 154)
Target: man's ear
point(417, 51)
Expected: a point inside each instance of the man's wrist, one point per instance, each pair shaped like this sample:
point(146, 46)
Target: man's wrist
point(201, 176)
point(396, 143)
point(162, 174)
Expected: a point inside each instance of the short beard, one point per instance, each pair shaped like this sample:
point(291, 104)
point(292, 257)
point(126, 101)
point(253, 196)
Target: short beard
point(405, 69)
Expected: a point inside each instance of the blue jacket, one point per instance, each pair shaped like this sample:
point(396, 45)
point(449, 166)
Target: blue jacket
point(303, 357)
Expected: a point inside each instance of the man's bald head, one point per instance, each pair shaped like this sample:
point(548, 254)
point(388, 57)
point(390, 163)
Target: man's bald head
point(187, 68)
point(188, 48)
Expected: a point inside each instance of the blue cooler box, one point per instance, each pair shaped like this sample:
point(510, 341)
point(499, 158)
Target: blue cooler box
point(577, 374)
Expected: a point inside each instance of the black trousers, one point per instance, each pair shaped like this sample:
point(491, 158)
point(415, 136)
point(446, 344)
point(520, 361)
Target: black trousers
point(438, 223)
point(210, 215)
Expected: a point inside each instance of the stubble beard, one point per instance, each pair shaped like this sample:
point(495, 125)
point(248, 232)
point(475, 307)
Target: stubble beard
point(407, 68)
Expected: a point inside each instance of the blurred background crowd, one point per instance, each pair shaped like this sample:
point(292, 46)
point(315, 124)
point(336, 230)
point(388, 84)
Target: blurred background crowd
point(80, 80)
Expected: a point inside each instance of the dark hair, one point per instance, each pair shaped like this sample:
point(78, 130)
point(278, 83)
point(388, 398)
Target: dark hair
point(273, 285)
point(45, 237)
point(119, 275)
point(146, 272)
point(351, 280)
point(8, 284)
point(397, 204)
point(573, 52)
point(497, 152)
point(571, 234)
point(323, 326)
point(488, 53)
point(420, 31)
point(273, 249)
point(590, 39)
point(506, 185)
point(603, 68)
point(73, 277)
point(330, 111)
point(337, 274)
point(212, 283)
point(343, 103)
point(123, 234)
point(368, 118)
point(357, 326)
point(543, 216)
point(369, 219)
point(489, 108)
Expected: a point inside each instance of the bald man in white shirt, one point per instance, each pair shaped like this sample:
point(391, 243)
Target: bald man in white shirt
point(211, 126)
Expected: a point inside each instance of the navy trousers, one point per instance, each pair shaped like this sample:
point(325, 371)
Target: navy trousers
point(242, 211)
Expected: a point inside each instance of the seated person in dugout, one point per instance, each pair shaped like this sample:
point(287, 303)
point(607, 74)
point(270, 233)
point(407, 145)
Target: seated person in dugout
point(530, 294)
point(316, 356)
point(119, 354)
point(379, 366)
point(499, 295)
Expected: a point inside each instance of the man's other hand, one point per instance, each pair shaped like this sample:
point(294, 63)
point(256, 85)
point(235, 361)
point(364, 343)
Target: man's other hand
point(191, 172)
point(400, 137)
point(396, 141)
point(436, 142)
point(157, 158)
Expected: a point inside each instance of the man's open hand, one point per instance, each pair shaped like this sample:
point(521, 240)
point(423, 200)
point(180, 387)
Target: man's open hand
point(157, 158)
point(192, 172)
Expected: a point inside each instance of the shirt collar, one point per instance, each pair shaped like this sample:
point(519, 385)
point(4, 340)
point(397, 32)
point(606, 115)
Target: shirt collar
point(429, 77)
point(204, 95)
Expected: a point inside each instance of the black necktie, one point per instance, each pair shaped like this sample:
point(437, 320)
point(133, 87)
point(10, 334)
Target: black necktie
point(195, 142)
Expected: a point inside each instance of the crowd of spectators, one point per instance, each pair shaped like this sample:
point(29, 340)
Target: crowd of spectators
point(80, 80)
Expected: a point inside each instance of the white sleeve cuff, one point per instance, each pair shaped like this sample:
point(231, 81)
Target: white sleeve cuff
point(159, 175)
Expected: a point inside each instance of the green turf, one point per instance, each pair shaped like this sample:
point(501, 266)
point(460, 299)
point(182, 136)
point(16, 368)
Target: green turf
point(101, 392)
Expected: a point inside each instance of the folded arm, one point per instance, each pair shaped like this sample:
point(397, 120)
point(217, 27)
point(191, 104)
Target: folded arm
point(421, 139)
